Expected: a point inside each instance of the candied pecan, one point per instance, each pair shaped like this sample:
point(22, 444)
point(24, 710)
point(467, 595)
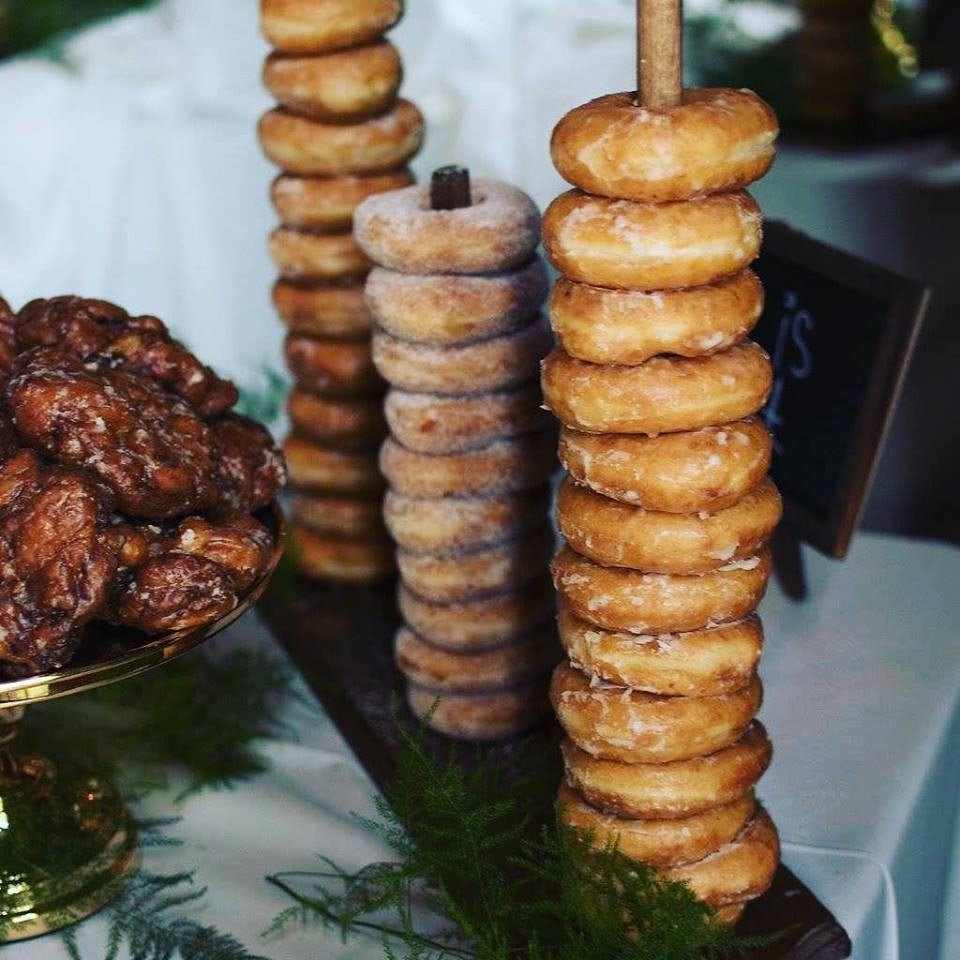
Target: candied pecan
point(9, 441)
point(150, 448)
point(8, 340)
point(250, 467)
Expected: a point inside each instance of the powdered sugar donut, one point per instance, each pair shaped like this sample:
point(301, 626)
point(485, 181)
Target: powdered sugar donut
point(316, 256)
point(323, 470)
point(344, 559)
point(332, 367)
point(347, 423)
point(355, 517)
point(305, 26)
point(330, 310)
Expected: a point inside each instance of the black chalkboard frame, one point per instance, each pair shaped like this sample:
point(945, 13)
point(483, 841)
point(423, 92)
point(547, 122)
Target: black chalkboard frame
point(906, 301)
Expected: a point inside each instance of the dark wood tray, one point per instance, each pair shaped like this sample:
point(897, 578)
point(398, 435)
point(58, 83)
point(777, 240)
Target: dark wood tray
point(341, 640)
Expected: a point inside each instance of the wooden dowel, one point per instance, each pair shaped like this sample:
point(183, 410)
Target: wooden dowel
point(450, 188)
point(659, 53)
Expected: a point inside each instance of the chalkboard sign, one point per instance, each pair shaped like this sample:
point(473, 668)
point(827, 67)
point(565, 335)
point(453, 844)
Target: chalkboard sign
point(839, 332)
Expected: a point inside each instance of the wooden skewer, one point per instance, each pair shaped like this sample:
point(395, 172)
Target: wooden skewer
point(450, 188)
point(659, 53)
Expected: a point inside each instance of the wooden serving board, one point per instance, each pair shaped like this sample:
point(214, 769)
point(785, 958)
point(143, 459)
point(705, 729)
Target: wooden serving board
point(341, 640)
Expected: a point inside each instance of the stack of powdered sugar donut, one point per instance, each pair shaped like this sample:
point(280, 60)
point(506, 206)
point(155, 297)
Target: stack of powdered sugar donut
point(457, 298)
point(339, 134)
point(666, 507)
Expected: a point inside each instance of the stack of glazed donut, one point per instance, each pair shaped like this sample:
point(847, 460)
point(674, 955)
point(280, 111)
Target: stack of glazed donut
point(666, 507)
point(456, 297)
point(339, 134)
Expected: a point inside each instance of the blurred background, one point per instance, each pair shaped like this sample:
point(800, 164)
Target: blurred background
point(129, 167)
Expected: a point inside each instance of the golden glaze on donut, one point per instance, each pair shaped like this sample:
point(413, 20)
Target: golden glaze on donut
point(339, 516)
point(346, 559)
point(707, 469)
point(677, 789)
point(514, 463)
point(619, 599)
point(323, 310)
point(663, 395)
point(332, 367)
point(456, 369)
point(313, 148)
point(305, 26)
point(440, 308)
point(716, 140)
point(643, 246)
point(658, 843)
point(344, 423)
point(431, 423)
point(336, 86)
point(326, 204)
point(615, 723)
point(631, 326)
point(320, 469)
point(316, 256)
point(698, 663)
point(615, 534)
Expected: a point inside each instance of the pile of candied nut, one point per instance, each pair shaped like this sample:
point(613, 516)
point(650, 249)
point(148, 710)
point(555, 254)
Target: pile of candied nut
point(127, 485)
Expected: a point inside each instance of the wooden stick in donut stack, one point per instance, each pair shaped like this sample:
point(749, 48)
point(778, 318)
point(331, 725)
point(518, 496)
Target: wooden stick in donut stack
point(457, 297)
point(339, 134)
point(666, 507)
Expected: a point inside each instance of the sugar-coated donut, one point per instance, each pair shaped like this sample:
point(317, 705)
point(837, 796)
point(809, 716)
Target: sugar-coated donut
point(706, 469)
point(696, 663)
point(479, 624)
point(324, 470)
point(446, 578)
point(316, 256)
point(306, 26)
point(314, 148)
point(715, 140)
point(327, 203)
point(349, 423)
point(677, 789)
point(498, 231)
point(323, 310)
point(456, 369)
point(504, 466)
point(338, 368)
point(740, 870)
point(336, 86)
point(658, 843)
point(431, 423)
point(456, 524)
point(346, 559)
point(631, 326)
point(616, 723)
point(616, 534)
point(646, 246)
point(663, 395)
point(619, 599)
point(339, 516)
point(497, 668)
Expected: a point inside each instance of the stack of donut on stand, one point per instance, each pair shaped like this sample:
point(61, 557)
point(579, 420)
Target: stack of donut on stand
point(666, 507)
point(339, 134)
point(456, 296)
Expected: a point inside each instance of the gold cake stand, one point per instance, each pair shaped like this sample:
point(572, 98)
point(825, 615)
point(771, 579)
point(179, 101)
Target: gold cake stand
point(90, 838)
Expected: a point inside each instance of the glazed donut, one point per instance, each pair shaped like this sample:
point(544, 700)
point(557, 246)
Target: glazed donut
point(681, 788)
point(430, 423)
point(644, 246)
point(445, 578)
point(316, 256)
point(498, 668)
point(645, 603)
point(442, 308)
point(706, 469)
point(697, 663)
point(663, 395)
point(479, 624)
point(346, 559)
point(616, 723)
point(320, 469)
point(346, 424)
point(479, 367)
point(326, 204)
point(339, 516)
point(615, 534)
point(716, 140)
point(455, 524)
point(499, 231)
point(332, 367)
point(658, 843)
point(505, 466)
point(313, 148)
point(305, 26)
point(631, 326)
point(740, 870)
point(336, 86)
point(323, 310)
